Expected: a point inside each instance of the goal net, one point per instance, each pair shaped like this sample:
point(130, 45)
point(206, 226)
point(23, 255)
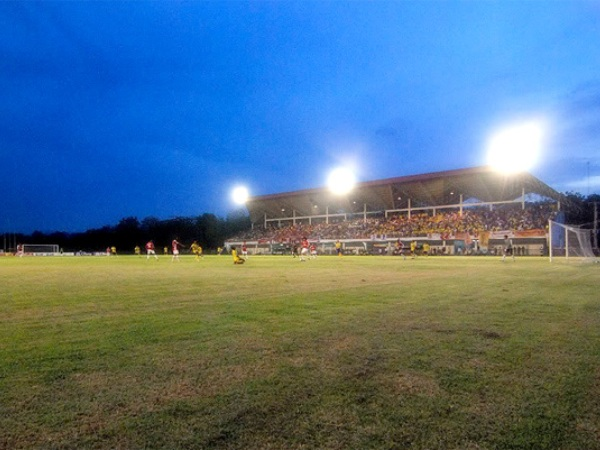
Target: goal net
point(570, 242)
point(40, 249)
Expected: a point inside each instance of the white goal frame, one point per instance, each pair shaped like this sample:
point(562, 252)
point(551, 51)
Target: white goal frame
point(41, 249)
point(574, 243)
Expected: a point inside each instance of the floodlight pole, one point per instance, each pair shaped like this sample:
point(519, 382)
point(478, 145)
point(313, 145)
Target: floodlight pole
point(596, 225)
point(550, 239)
point(566, 245)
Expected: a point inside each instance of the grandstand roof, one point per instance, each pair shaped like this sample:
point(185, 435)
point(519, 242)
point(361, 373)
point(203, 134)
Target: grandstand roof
point(426, 190)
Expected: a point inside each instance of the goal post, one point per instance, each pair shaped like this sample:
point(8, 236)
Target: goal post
point(41, 249)
point(570, 242)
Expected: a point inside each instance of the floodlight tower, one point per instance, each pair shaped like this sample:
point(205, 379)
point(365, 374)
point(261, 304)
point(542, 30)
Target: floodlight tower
point(240, 196)
point(341, 181)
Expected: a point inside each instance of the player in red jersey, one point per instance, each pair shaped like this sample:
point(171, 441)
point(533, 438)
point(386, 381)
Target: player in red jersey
point(175, 244)
point(150, 250)
point(244, 250)
point(400, 248)
point(304, 249)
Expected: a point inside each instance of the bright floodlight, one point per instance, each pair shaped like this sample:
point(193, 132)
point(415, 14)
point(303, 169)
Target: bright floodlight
point(341, 181)
point(515, 149)
point(240, 195)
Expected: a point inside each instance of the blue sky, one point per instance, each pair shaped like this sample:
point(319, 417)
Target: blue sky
point(118, 109)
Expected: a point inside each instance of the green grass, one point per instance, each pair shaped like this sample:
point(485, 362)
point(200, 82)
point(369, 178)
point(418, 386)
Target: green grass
point(337, 353)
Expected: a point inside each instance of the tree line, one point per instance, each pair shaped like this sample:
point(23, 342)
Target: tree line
point(207, 229)
point(580, 209)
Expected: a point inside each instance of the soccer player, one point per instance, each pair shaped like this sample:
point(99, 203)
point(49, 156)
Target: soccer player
point(304, 251)
point(150, 250)
point(426, 248)
point(20, 251)
point(400, 248)
point(413, 249)
point(313, 251)
point(508, 248)
point(138, 251)
point(236, 258)
point(113, 251)
point(244, 250)
point(197, 250)
point(338, 247)
point(175, 244)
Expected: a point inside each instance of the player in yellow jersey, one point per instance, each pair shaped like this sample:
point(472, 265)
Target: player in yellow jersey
point(197, 250)
point(236, 258)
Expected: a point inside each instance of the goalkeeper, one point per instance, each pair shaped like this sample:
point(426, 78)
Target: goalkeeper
point(508, 248)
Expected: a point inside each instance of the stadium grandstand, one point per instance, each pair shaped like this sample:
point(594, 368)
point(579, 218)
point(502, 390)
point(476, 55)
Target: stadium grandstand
point(464, 211)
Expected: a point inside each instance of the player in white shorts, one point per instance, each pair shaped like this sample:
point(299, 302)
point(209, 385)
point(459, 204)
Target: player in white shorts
point(175, 247)
point(304, 252)
point(150, 251)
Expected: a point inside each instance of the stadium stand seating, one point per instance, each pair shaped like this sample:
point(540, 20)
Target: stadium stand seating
point(472, 221)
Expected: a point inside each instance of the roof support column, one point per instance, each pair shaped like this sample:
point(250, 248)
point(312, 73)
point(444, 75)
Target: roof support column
point(327, 214)
point(365, 213)
point(461, 204)
point(409, 203)
point(523, 198)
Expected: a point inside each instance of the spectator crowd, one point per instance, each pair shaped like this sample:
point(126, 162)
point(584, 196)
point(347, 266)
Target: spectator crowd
point(471, 221)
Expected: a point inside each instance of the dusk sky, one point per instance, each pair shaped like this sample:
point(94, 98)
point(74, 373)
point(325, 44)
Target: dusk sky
point(116, 109)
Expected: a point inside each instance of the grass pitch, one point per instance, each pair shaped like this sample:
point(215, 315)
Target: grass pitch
point(336, 353)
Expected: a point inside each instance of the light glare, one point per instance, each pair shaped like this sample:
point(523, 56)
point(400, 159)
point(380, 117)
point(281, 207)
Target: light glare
point(240, 195)
point(341, 181)
point(515, 149)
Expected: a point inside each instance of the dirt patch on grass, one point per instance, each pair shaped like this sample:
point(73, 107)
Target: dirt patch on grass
point(412, 383)
point(491, 334)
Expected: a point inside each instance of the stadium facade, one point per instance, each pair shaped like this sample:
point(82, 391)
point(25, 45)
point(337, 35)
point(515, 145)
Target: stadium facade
point(453, 191)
